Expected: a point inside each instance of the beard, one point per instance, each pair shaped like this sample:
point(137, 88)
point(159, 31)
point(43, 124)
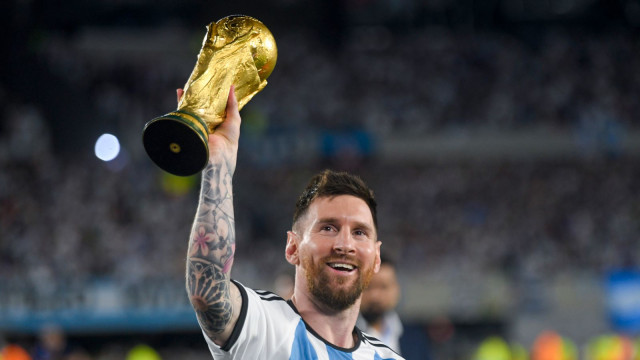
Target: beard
point(320, 284)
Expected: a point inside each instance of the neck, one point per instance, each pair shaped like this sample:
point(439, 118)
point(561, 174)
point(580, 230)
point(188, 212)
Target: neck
point(334, 326)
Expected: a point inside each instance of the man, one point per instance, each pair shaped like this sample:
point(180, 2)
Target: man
point(379, 300)
point(333, 245)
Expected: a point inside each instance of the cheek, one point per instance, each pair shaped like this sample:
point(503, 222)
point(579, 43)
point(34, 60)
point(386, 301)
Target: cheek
point(307, 251)
point(312, 248)
point(368, 251)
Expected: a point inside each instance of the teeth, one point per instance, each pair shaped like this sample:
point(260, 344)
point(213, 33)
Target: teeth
point(342, 266)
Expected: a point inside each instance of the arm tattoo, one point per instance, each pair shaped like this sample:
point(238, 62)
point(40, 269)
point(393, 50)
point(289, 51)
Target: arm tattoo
point(211, 251)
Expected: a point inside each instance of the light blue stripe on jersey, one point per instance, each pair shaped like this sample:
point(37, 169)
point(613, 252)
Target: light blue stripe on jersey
point(377, 357)
point(302, 348)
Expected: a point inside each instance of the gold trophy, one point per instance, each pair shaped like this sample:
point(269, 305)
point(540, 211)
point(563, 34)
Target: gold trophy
point(237, 50)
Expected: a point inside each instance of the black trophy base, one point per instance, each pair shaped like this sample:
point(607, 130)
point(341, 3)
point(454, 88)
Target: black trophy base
point(177, 143)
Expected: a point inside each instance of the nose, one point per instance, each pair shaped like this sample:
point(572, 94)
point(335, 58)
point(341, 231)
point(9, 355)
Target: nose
point(344, 244)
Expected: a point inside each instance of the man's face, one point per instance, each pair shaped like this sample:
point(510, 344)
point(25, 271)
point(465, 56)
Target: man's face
point(382, 294)
point(337, 250)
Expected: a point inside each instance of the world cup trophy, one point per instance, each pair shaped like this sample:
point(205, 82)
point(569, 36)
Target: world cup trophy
point(237, 50)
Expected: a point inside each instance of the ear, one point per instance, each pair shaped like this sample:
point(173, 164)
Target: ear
point(291, 250)
point(376, 266)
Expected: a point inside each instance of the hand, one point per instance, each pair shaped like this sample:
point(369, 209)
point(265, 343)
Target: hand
point(223, 142)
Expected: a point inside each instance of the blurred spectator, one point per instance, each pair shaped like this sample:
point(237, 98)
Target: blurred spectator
point(283, 284)
point(549, 345)
point(52, 344)
point(377, 309)
point(611, 347)
point(143, 352)
point(14, 352)
point(496, 348)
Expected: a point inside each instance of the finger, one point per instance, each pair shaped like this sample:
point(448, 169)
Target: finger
point(179, 93)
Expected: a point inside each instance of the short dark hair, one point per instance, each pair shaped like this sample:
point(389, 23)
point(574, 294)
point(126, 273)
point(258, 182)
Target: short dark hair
point(329, 183)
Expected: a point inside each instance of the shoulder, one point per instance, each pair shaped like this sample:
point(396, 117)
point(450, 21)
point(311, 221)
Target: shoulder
point(265, 295)
point(266, 299)
point(378, 346)
point(265, 304)
point(269, 316)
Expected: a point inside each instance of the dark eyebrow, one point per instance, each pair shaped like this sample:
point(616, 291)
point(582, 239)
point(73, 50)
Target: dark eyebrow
point(327, 220)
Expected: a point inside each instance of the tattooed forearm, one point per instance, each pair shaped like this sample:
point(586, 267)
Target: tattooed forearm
point(209, 291)
point(211, 251)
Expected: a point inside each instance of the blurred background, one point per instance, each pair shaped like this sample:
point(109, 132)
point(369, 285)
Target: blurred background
point(502, 138)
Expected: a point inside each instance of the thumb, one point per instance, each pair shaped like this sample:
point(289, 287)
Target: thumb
point(232, 112)
point(230, 127)
point(232, 102)
point(179, 94)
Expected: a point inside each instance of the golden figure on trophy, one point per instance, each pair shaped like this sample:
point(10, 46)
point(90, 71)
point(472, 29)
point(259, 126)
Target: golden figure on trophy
point(237, 50)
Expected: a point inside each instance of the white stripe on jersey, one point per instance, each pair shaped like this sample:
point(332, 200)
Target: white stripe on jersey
point(320, 348)
point(270, 328)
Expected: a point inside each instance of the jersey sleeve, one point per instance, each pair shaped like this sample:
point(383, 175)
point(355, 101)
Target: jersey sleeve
point(263, 330)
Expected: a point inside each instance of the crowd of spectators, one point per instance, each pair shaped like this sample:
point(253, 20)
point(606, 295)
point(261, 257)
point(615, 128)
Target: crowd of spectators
point(418, 83)
point(67, 218)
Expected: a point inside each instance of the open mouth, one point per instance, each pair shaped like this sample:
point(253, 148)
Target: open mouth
point(342, 266)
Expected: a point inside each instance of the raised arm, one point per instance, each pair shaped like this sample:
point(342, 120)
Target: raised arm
point(215, 299)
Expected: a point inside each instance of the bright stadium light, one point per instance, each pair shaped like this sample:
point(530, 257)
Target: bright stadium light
point(107, 147)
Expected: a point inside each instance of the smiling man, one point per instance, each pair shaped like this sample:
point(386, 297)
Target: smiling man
point(333, 245)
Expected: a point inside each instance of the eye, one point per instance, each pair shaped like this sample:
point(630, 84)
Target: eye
point(360, 233)
point(326, 228)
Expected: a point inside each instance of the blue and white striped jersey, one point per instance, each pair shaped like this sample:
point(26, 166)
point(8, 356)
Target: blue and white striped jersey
point(270, 328)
